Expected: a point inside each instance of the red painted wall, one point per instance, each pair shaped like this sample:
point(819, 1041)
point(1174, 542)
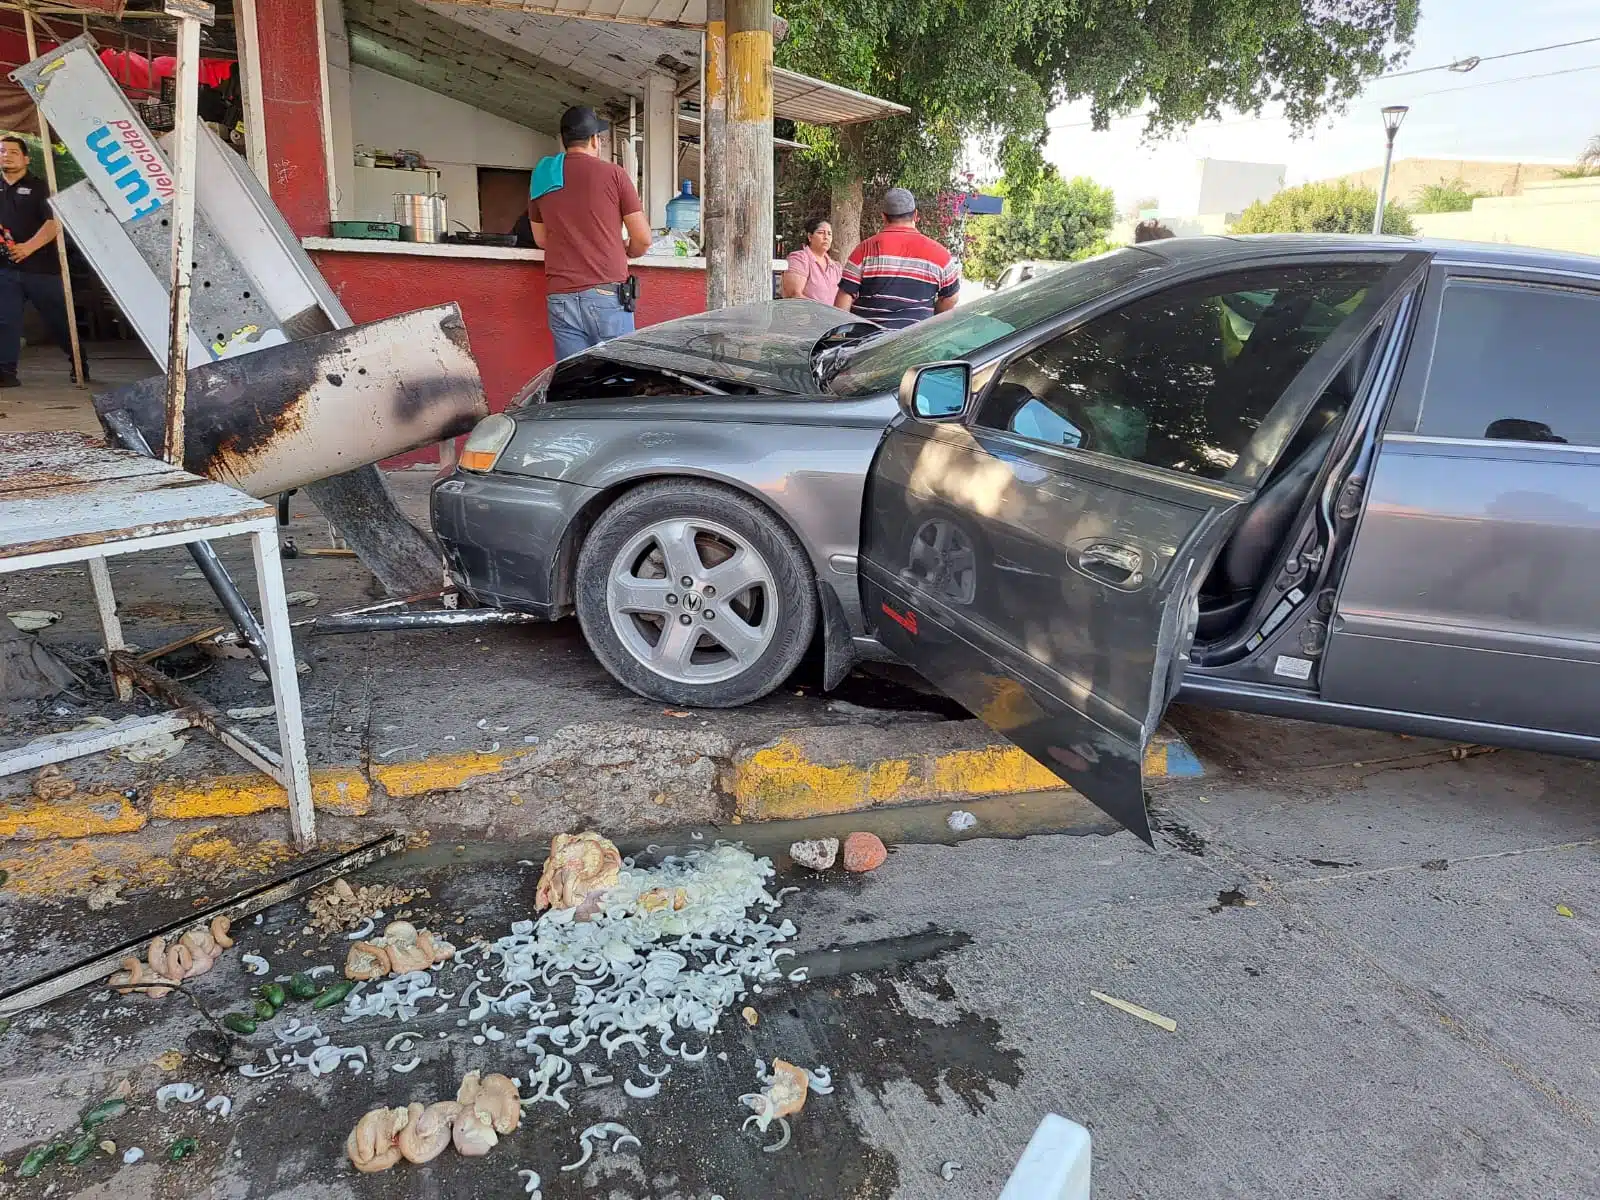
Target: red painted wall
point(503, 302)
point(290, 39)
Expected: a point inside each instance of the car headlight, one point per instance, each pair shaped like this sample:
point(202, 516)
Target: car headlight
point(486, 442)
point(534, 390)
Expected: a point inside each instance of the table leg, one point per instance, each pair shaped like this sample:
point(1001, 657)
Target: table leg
point(105, 601)
point(285, 688)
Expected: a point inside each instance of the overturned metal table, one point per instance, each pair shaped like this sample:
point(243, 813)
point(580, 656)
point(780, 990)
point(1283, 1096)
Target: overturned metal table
point(66, 497)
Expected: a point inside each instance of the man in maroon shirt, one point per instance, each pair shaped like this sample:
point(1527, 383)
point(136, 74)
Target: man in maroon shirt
point(578, 223)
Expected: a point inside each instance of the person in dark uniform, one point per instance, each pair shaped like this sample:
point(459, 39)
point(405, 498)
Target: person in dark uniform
point(30, 267)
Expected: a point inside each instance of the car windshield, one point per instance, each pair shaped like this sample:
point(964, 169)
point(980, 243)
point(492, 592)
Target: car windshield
point(877, 364)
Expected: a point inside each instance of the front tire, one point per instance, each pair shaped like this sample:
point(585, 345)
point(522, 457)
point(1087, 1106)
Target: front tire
point(692, 594)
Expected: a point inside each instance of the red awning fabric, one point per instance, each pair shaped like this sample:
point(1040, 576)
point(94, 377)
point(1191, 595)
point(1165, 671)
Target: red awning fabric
point(133, 70)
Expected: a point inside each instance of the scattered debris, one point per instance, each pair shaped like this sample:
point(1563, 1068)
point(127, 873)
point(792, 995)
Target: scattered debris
point(1563, 911)
point(183, 1093)
point(153, 750)
point(169, 1060)
point(305, 599)
point(580, 867)
point(531, 1183)
point(675, 712)
point(600, 1132)
point(948, 1169)
point(960, 820)
point(105, 895)
point(132, 1155)
point(192, 954)
point(818, 854)
point(1436, 864)
point(863, 852)
point(751, 1017)
point(371, 1145)
point(251, 714)
point(32, 620)
point(1233, 897)
point(182, 1148)
point(220, 1105)
point(402, 949)
point(339, 907)
point(1136, 1010)
point(255, 964)
point(427, 1130)
point(50, 784)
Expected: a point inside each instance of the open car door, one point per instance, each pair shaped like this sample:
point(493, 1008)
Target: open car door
point(1037, 549)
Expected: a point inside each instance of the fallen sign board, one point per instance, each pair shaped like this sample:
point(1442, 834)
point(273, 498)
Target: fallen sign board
point(288, 415)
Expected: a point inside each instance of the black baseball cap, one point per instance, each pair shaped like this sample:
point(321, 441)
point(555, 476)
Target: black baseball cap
point(580, 124)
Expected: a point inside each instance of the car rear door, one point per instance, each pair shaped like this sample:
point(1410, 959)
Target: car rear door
point(1037, 551)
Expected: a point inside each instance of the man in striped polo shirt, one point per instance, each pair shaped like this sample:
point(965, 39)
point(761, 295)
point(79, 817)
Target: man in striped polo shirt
point(898, 276)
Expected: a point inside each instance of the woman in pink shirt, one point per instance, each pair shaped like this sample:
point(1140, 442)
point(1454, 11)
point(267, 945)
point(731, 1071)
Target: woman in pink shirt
point(810, 272)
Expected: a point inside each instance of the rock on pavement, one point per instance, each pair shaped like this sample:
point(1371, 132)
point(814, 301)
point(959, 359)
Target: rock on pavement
point(863, 852)
point(818, 854)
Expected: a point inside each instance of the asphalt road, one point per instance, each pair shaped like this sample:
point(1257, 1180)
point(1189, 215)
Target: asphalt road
point(1357, 935)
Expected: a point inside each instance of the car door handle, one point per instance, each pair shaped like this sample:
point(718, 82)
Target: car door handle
point(1121, 566)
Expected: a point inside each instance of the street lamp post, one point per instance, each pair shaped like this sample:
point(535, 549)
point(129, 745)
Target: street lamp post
point(1392, 116)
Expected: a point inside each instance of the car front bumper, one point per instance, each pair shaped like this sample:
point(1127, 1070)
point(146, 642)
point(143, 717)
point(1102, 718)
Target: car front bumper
point(502, 537)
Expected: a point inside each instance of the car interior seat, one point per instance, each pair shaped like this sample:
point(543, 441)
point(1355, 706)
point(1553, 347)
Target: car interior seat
point(1246, 560)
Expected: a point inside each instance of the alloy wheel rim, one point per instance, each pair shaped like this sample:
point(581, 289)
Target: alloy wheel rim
point(692, 601)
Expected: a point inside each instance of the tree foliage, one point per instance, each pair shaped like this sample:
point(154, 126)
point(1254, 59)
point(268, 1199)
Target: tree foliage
point(993, 70)
point(1322, 208)
point(1058, 219)
point(1446, 196)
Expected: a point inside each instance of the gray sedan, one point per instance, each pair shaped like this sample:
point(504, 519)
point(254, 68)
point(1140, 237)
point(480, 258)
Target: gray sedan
point(1344, 479)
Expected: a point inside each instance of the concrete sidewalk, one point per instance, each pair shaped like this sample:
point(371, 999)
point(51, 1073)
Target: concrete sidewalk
point(507, 732)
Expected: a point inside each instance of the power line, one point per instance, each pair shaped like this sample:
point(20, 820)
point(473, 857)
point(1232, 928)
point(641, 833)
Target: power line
point(1472, 61)
point(1467, 87)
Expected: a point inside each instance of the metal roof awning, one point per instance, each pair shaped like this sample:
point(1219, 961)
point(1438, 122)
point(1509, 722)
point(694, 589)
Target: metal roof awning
point(677, 14)
point(797, 97)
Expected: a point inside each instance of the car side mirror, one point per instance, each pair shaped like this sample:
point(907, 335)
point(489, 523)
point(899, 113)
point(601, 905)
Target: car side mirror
point(936, 392)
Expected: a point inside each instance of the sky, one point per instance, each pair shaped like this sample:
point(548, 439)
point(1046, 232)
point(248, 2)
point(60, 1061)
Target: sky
point(1491, 112)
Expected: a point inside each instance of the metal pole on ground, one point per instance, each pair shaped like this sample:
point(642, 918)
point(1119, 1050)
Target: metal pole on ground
point(749, 161)
point(713, 154)
point(61, 238)
point(186, 120)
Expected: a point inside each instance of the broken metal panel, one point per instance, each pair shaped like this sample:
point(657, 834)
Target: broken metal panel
point(78, 743)
point(140, 293)
point(437, 618)
point(290, 415)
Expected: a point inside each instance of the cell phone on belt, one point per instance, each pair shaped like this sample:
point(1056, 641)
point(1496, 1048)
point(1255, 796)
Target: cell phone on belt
point(628, 293)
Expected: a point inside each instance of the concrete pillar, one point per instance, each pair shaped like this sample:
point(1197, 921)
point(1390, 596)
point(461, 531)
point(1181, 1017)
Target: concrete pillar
point(749, 150)
point(660, 146)
point(714, 199)
point(289, 45)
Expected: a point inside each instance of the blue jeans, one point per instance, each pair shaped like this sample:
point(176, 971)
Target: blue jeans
point(45, 294)
point(579, 320)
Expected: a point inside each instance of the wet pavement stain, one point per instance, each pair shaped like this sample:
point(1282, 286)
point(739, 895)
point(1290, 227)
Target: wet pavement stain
point(1178, 835)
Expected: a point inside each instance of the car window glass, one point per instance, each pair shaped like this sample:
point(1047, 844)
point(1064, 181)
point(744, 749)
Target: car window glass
point(1515, 362)
point(1181, 379)
point(966, 329)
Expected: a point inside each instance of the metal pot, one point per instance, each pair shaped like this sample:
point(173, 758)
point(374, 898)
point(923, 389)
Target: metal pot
point(421, 216)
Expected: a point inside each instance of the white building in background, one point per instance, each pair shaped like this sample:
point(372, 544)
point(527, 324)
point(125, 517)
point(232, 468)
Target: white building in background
point(1220, 187)
point(1210, 197)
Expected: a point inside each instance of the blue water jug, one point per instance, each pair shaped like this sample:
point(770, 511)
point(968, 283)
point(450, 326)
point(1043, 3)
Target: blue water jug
point(683, 210)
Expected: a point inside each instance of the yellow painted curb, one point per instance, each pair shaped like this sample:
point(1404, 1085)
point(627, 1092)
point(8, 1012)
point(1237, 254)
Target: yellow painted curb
point(344, 791)
point(57, 869)
point(779, 783)
point(76, 817)
point(445, 773)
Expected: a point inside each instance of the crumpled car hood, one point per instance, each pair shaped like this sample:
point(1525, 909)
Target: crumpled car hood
point(764, 346)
